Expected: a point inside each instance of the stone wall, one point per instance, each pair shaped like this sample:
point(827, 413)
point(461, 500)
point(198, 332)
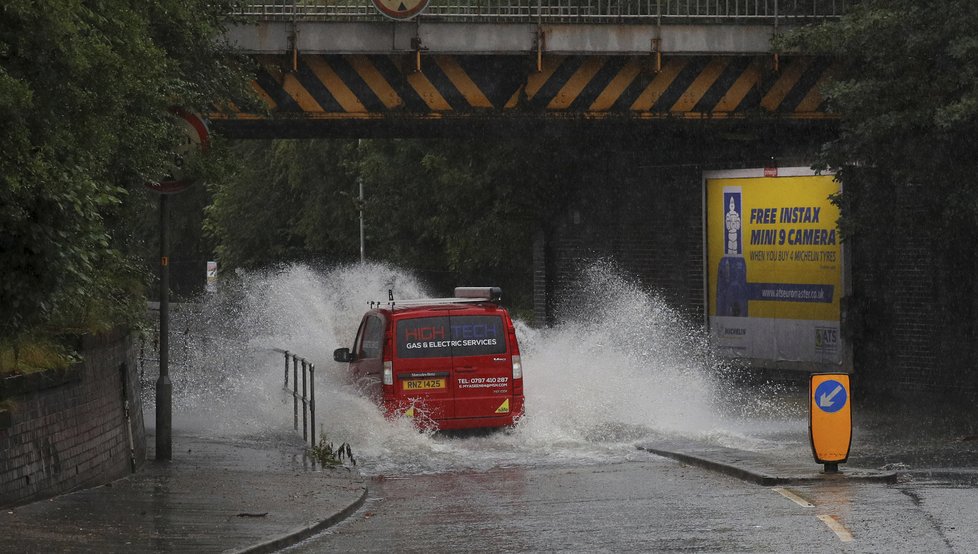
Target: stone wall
point(69, 431)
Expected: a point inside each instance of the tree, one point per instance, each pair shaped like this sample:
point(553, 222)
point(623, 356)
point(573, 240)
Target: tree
point(84, 89)
point(458, 212)
point(906, 89)
point(285, 200)
point(466, 212)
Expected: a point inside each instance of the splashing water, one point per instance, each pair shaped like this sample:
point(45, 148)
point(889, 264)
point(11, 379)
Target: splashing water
point(622, 368)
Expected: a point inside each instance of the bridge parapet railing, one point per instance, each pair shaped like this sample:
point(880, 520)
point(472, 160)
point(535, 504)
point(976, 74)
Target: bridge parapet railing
point(562, 11)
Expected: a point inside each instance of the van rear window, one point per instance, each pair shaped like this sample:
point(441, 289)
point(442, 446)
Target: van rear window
point(433, 337)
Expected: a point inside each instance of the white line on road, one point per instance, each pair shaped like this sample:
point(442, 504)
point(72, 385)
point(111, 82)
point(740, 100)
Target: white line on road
point(793, 497)
point(837, 527)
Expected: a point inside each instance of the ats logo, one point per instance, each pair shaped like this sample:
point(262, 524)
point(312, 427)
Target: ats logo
point(826, 338)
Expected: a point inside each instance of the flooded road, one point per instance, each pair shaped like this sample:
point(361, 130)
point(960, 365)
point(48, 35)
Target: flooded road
point(621, 368)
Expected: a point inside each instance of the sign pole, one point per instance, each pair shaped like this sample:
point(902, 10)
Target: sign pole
point(363, 251)
point(177, 180)
point(164, 388)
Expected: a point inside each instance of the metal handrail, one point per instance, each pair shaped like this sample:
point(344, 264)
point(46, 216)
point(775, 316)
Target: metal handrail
point(554, 11)
point(308, 401)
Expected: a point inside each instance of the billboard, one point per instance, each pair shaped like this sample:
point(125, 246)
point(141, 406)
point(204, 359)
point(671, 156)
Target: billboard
point(774, 266)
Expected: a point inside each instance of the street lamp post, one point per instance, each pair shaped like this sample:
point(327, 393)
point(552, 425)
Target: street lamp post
point(363, 251)
point(164, 388)
point(363, 254)
point(196, 134)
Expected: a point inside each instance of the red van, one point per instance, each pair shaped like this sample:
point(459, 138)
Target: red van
point(453, 360)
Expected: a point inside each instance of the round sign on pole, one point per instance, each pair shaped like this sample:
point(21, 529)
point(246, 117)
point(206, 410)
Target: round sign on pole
point(195, 138)
point(400, 9)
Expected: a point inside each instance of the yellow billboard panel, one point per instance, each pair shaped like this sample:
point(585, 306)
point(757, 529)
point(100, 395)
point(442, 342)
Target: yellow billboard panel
point(774, 266)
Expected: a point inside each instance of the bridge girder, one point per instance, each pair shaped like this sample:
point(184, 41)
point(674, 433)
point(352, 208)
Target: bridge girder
point(336, 94)
point(448, 37)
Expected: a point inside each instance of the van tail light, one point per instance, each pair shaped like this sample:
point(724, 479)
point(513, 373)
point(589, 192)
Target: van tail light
point(388, 358)
point(517, 367)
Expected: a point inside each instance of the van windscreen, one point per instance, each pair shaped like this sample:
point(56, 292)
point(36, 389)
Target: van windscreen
point(434, 337)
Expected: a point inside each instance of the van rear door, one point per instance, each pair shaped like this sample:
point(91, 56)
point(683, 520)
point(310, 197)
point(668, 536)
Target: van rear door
point(482, 363)
point(422, 365)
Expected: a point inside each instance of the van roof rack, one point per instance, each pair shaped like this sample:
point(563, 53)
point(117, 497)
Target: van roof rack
point(463, 295)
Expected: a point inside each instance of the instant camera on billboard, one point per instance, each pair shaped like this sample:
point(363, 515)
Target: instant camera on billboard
point(774, 266)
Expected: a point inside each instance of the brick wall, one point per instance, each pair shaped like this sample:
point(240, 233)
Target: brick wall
point(650, 226)
point(540, 303)
point(915, 314)
point(74, 434)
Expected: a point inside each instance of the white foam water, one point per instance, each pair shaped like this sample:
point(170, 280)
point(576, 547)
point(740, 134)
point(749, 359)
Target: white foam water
point(620, 369)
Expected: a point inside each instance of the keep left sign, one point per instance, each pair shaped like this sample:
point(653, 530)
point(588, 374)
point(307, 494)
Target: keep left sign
point(830, 420)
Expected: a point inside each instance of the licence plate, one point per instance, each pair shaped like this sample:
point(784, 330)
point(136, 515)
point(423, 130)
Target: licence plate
point(422, 384)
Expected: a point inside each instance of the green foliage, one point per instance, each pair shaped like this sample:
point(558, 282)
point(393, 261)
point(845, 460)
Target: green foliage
point(328, 455)
point(84, 87)
point(907, 90)
point(33, 354)
point(458, 212)
point(285, 201)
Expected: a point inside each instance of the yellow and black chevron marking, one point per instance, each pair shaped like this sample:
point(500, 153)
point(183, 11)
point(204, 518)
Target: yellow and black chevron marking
point(364, 86)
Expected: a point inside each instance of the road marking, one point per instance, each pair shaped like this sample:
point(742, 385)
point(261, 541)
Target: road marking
point(793, 497)
point(837, 527)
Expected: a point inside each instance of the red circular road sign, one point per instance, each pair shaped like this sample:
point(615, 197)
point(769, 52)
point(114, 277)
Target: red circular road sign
point(196, 139)
point(400, 9)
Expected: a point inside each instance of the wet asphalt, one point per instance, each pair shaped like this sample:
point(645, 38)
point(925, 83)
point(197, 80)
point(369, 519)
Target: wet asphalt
point(262, 493)
point(227, 494)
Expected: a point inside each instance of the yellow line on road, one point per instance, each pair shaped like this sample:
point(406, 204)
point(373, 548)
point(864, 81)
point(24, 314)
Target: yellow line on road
point(840, 530)
point(793, 497)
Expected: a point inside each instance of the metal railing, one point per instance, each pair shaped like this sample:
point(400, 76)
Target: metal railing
point(308, 401)
point(561, 11)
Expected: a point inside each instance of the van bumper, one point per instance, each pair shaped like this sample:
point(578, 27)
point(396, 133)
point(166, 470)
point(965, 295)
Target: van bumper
point(475, 422)
point(394, 409)
point(504, 420)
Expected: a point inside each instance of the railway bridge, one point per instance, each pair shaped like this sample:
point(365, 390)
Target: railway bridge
point(655, 93)
point(341, 67)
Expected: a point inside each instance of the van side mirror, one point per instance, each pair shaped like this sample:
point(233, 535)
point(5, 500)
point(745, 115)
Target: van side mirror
point(343, 355)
